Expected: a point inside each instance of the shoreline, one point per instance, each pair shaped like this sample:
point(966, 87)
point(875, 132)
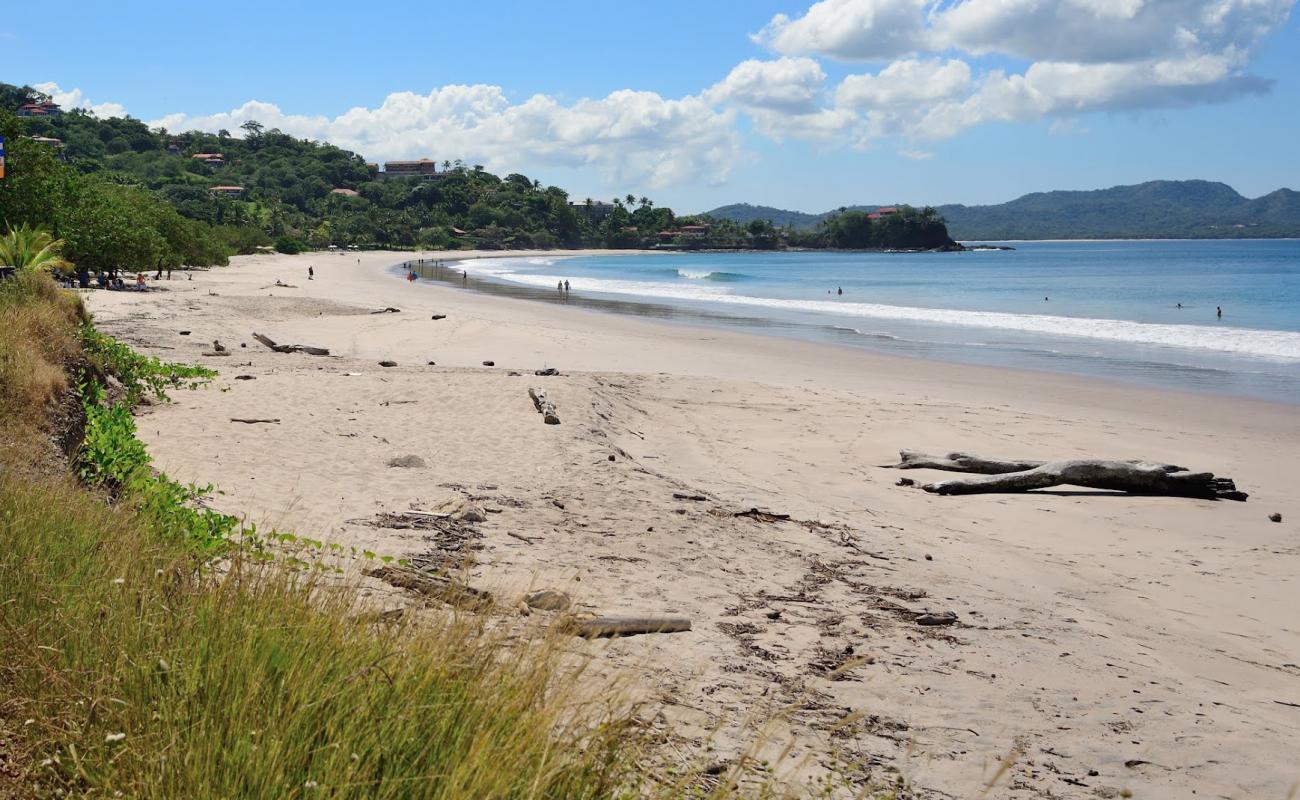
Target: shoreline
point(1093, 630)
point(664, 311)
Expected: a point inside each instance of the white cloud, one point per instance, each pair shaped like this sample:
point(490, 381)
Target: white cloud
point(1084, 56)
point(904, 83)
point(75, 99)
point(916, 155)
point(850, 29)
point(631, 137)
point(1097, 31)
point(783, 97)
point(791, 85)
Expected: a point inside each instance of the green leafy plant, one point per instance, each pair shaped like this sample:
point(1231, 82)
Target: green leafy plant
point(139, 374)
point(26, 247)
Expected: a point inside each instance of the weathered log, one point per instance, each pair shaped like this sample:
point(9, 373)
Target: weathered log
point(255, 421)
point(438, 587)
point(544, 407)
point(291, 348)
point(388, 310)
point(962, 462)
point(603, 627)
point(1133, 477)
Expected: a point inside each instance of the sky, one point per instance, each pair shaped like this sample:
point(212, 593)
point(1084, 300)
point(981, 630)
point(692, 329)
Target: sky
point(806, 106)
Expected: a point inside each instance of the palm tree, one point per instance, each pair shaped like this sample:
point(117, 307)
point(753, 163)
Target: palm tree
point(29, 248)
point(631, 199)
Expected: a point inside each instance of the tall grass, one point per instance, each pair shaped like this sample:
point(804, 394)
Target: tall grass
point(131, 663)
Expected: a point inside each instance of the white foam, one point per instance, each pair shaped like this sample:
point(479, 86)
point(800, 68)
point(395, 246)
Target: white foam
point(1246, 341)
point(693, 274)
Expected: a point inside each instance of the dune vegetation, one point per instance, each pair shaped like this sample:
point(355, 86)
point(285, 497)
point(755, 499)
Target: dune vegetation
point(152, 648)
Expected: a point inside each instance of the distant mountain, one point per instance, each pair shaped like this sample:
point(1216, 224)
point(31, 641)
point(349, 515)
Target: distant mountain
point(1156, 209)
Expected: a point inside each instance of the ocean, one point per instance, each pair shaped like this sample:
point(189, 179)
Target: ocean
point(1136, 311)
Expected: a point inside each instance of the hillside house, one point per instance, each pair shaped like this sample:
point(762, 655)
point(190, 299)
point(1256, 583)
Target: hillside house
point(233, 192)
point(46, 108)
point(212, 159)
point(423, 168)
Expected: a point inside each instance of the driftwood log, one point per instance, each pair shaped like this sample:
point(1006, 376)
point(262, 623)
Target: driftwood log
point(291, 348)
point(544, 407)
point(603, 627)
point(1133, 477)
point(438, 587)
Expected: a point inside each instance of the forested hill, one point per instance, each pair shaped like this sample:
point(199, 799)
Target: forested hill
point(124, 195)
point(1157, 209)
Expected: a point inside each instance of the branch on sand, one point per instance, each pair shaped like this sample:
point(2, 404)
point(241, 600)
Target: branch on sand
point(438, 587)
point(291, 348)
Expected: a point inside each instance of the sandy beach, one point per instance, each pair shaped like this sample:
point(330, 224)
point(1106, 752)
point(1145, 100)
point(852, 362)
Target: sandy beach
point(1110, 642)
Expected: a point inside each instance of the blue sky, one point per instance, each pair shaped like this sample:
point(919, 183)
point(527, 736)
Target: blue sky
point(782, 103)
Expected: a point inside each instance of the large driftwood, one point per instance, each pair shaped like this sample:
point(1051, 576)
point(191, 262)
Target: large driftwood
point(544, 407)
point(291, 348)
point(962, 462)
point(439, 587)
point(602, 627)
point(1133, 477)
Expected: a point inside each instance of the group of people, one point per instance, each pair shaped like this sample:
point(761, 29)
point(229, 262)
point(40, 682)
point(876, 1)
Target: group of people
point(562, 287)
point(1218, 310)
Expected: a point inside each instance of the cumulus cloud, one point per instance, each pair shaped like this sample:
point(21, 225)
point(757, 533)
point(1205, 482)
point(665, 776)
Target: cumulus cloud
point(1096, 31)
point(904, 83)
point(792, 85)
point(1083, 56)
point(74, 98)
point(630, 136)
point(785, 98)
point(850, 29)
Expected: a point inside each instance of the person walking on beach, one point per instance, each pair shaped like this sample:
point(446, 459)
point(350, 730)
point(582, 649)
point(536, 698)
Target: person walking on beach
point(566, 287)
point(311, 272)
point(1218, 311)
point(559, 287)
point(839, 290)
point(464, 277)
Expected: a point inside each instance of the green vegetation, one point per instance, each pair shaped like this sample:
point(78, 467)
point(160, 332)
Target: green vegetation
point(288, 195)
point(133, 665)
point(25, 247)
point(1156, 209)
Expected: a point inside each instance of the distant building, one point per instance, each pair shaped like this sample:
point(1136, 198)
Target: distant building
point(47, 140)
point(594, 213)
point(887, 210)
point(233, 192)
point(43, 109)
point(174, 147)
point(425, 167)
point(215, 159)
point(685, 232)
point(345, 192)
point(373, 169)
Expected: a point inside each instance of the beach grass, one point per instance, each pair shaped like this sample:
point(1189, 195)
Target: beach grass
point(134, 663)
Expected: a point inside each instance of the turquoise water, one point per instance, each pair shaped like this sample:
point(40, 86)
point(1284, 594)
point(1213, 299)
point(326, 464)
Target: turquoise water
point(1108, 309)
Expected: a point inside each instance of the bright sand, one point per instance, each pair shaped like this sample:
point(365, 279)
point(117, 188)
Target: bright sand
point(1115, 642)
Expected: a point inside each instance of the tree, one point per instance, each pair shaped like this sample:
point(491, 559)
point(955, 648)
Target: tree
point(108, 226)
point(253, 129)
point(31, 248)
